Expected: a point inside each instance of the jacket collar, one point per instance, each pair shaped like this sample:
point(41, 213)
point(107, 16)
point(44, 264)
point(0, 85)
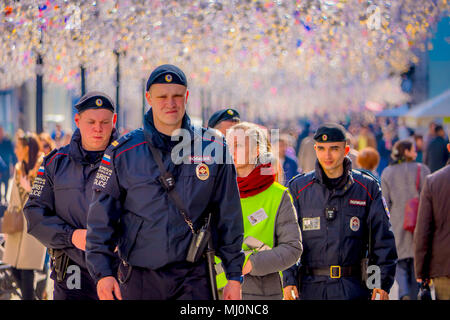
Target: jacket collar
point(153, 136)
point(76, 150)
point(346, 177)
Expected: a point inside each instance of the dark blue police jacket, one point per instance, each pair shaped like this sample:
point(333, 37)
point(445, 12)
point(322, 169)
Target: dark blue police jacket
point(130, 202)
point(344, 240)
point(59, 200)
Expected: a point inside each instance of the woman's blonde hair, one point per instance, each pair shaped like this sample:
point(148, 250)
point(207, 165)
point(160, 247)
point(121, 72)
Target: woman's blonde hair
point(258, 137)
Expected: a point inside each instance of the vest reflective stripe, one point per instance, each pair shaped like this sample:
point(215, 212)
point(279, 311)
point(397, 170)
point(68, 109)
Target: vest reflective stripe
point(259, 213)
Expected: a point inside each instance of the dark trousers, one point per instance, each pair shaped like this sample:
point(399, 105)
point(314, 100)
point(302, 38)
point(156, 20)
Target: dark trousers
point(177, 281)
point(345, 288)
point(87, 290)
point(25, 282)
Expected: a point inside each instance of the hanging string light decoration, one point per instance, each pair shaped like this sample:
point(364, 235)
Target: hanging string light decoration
point(296, 55)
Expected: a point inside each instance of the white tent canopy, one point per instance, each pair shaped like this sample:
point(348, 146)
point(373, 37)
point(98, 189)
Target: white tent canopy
point(436, 107)
point(394, 112)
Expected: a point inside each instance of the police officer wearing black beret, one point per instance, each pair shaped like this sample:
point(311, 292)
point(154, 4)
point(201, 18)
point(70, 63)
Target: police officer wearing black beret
point(224, 119)
point(344, 220)
point(155, 231)
point(57, 208)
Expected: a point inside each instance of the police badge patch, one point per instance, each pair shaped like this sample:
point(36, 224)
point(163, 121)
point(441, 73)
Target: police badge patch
point(354, 224)
point(202, 171)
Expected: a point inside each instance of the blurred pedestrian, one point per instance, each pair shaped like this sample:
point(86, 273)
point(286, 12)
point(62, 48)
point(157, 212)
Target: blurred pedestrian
point(368, 160)
point(307, 156)
point(384, 148)
point(22, 251)
point(58, 135)
point(366, 138)
point(430, 135)
point(400, 182)
point(272, 240)
point(418, 140)
point(437, 153)
point(289, 164)
point(46, 143)
point(353, 153)
point(432, 234)
point(8, 156)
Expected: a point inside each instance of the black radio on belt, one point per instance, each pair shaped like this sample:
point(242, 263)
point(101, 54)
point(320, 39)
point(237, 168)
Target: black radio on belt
point(330, 213)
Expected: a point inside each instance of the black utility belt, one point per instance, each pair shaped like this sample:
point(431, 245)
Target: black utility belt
point(334, 272)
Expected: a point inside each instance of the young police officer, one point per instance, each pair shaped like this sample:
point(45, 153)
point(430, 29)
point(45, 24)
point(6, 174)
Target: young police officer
point(342, 216)
point(57, 208)
point(132, 201)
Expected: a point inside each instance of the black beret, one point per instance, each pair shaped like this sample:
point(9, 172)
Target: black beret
point(167, 73)
point(95, 100)
point(330, 132)
point(222, 115)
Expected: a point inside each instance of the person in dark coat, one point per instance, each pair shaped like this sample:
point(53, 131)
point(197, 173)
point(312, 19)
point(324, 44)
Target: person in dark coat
point(56, 211)
point(9, 158)
point(432, 236)
point(343, 221)
point(131, 200)
point(437, 153)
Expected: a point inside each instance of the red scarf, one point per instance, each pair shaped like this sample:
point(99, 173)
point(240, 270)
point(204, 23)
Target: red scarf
point(256, 182)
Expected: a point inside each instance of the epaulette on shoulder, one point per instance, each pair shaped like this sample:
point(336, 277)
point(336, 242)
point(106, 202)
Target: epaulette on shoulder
point(367, 174)
point(214, 132)
point(50, 155)
point(63, 151)
point(297, 176)
point(122, 140)
point(210, 134)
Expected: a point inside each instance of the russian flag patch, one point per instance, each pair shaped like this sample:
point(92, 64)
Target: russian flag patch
point(40, 171)
point(106, 159)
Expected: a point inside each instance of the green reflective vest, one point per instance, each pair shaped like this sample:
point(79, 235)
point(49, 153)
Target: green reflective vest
point(259, 213)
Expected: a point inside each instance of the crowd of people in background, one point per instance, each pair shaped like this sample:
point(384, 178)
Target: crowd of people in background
point(397, 156)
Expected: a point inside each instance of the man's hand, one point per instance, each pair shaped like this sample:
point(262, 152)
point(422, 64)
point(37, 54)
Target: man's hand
point(79, 239)
point(290, 293)
point(247, 268)
point(383, 294)
point(232, 290)
point(105, 288)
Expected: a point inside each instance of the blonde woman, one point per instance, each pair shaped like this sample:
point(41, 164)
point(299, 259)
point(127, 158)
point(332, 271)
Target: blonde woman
point(272, 240)
point(22, 251)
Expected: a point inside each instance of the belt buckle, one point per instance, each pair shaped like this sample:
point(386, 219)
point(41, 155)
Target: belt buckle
point(332, 273)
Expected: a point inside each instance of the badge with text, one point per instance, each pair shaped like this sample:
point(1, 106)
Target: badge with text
point(354, 224)
point(202, 171)
point(257, 216)
point(311, 224)
point(355, 202)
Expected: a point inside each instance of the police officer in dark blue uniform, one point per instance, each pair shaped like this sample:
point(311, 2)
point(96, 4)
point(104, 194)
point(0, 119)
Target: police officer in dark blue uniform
point(57, 208)
point(133, 202)
point(344, 221)
point(224, 119)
